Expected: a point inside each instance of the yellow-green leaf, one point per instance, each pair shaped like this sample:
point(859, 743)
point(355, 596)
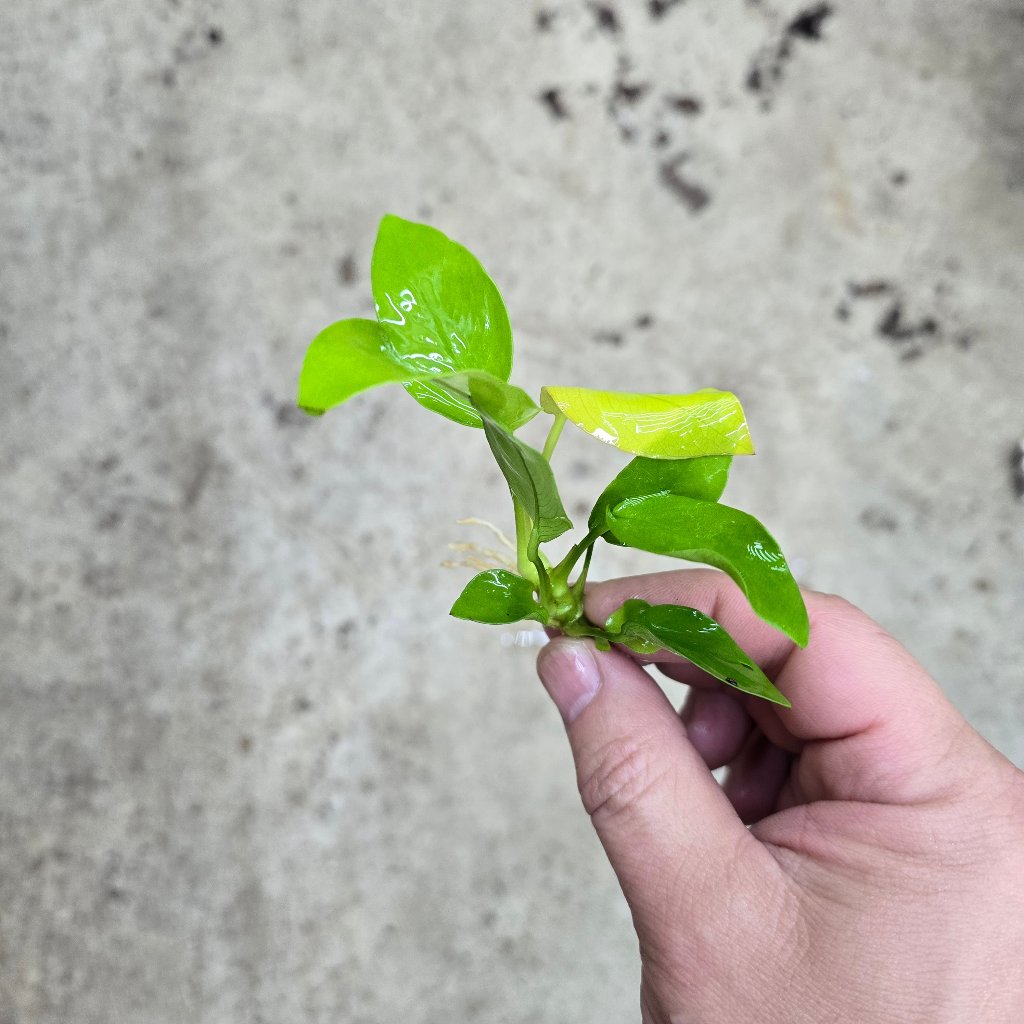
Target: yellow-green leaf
point(706, 422)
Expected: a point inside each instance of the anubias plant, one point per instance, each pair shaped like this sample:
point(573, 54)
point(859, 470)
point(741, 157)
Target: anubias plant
point(442, 332)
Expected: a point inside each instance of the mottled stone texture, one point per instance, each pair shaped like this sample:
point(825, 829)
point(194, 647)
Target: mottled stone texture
point(250, 772)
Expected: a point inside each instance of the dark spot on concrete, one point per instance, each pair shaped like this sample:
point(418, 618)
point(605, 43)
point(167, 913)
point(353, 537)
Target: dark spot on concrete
point(982, 585)
point(879, 519)
point(693, 196)
point(842, 312)
point(808, 24)
point(629, 93)
point(899, 178)
point(347, 269)
point(245, 744)
point(661, 139)
point(688, 106)
point(607, 19)
point(343, 634)
point(214, 35)
point(169, 78)
point(608, 338)
point(659, 8)
point(767, 67)
point(108, 463)
point(552, 99)
point(644, 321)
point(110, 520)
point(869, 289)
point(488, 918)
point(579, 469)
point(544, 20)
point(896, 328)
point(964, 340)
point(288, 414)
point(1017, 469)
point(301, 704)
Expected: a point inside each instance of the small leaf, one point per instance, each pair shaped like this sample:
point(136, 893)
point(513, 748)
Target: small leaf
point(529, 479)
point(443, 313)
point(704, 479)
point(707, 422)
point(696, 637)
point(498, 597)
point(506, 404)
point(731, 540)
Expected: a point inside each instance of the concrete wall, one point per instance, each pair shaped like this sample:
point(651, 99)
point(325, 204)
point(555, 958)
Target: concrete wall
point(249, 770)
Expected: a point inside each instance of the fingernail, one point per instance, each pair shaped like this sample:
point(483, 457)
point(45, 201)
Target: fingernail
point(569, 672)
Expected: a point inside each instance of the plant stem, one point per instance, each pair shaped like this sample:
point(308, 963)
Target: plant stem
point(524, 527)
point(581, 580)
point(553, 435)
point(585, 546)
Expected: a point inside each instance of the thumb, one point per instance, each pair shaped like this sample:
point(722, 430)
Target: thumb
point(660, 815)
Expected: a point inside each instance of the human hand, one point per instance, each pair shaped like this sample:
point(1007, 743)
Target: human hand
point(881, 878)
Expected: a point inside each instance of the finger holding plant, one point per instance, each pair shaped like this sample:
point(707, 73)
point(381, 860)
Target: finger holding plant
point(442, 332)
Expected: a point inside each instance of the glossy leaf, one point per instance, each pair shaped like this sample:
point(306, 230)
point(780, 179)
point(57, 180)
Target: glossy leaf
point(342, 360)
point(530, 480)
point(352, 355)
point(498, 597)
point(704, 479)
point(696, 637)
point(707, 422)
point(731, 540)
point(441, 310)
point(504, 403)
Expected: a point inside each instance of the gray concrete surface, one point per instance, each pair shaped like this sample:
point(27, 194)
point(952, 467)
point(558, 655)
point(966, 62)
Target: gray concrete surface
point(249, 770)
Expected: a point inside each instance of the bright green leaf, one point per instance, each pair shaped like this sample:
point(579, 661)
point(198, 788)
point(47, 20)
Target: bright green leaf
point(443, 313)
point(352, 355)
point(731, 540)
point(342, 360)
point(694, 478)
point(696, 637)
point(498, 597)
point(530, 480)
point(506, 404)
point(706, 422)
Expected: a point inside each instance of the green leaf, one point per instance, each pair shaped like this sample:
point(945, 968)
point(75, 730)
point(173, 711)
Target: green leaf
point(441, 310)
point(506, 404)
point(704, 479)
point(707, 422)
point(342, 360)
point(498, 597)
point(696, 637)
point(731, 540)
point(352, 355)
point(530, 480)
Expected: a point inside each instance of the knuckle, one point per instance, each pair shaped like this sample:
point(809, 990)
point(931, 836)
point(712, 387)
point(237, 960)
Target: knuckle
point(619, 777)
